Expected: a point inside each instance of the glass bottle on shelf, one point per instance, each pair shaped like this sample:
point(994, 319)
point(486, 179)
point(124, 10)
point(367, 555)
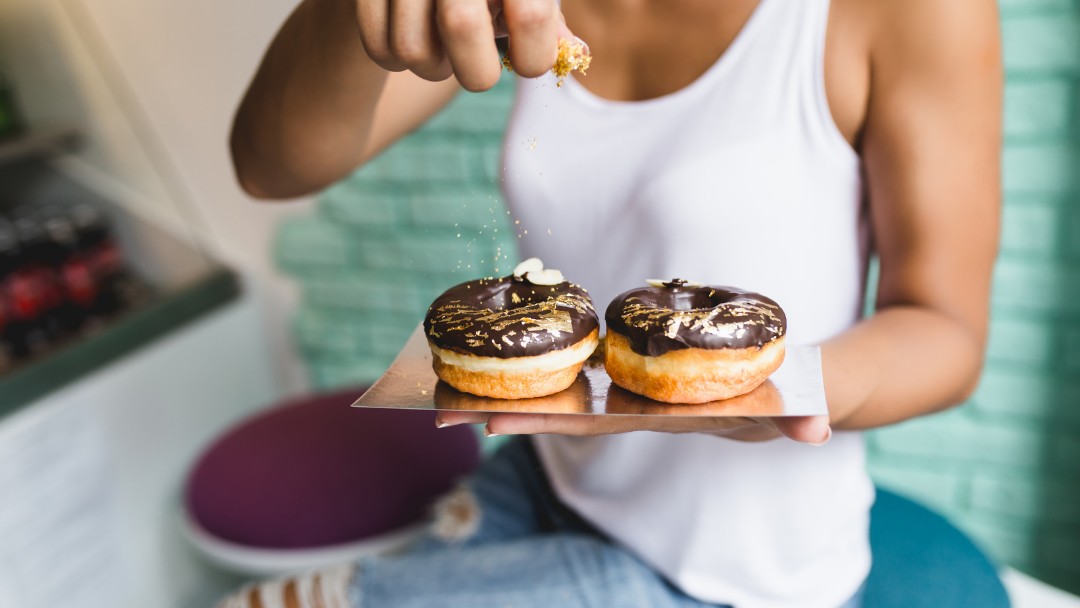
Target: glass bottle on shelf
point(101, 253)
point(9, 263)
point(35, 292)
point(71, 273)
point(10, 119)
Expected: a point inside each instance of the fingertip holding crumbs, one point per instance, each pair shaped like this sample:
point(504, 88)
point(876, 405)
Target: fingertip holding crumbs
point(573, 55)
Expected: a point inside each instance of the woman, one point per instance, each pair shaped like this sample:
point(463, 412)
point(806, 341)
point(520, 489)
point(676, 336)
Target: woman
point(758, 143)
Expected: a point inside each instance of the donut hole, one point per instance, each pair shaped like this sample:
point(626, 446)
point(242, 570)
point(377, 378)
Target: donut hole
point(696, 299)
point(498, 301)
point(511, 295)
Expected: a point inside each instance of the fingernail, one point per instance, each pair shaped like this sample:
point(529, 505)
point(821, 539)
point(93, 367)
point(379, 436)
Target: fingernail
point(440, 424)
point(828, 436)
point(488, 433)
point(583, 44)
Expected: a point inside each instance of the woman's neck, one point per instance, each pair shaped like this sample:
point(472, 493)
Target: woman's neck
point(644, 49)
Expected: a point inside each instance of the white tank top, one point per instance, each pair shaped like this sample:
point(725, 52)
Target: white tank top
point(742, 179)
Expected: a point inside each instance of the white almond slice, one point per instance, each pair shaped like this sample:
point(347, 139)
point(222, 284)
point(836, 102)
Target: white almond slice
point(529, 265)
point(663, 283)
point(549, 276)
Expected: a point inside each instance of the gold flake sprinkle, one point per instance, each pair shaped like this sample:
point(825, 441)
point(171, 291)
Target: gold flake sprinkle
point(573, 55)
point(726, 320)
point(551, 316)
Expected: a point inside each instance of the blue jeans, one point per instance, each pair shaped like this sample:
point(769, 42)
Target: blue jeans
point(515, 545)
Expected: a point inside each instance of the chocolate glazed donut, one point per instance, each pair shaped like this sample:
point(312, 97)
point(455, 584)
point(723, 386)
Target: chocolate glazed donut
point(516, 337)
point(680, 342)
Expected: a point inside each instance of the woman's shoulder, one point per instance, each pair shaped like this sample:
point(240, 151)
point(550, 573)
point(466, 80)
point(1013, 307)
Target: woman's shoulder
point(884, 47)
point(927, 31)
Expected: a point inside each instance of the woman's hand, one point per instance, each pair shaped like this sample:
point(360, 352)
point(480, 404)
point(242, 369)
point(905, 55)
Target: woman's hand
point(436, 39)
point(806, 429)
point(325, 100)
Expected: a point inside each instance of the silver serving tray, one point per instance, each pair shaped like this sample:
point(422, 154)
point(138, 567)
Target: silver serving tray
point(795, 389)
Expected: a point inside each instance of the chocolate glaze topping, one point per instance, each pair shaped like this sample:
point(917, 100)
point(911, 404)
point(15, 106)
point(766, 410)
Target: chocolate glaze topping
point(680, 315)
point(510, 317)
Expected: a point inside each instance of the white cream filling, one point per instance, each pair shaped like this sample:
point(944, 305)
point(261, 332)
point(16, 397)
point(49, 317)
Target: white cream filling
point(556, 359)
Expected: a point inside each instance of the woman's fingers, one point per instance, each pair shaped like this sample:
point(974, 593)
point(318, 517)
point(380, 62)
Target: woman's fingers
point(559, 424)
point(437, 38)
point(445, 418)
point(564, 32)
point(814, 430)
point(498, 18)
point(373, 20)
point(591, 425)
point(468, 38)
point(415, 42)
point(533, 27)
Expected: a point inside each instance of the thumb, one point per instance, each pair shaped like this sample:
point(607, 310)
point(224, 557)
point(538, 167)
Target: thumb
point(566, 34)
point(814, 430)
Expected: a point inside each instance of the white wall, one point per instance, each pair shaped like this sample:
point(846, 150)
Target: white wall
point(91, 475)
point(153, 84)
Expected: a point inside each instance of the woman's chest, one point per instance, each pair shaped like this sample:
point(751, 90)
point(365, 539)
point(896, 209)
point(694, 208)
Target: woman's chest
point(726, 183)
point(646, 50)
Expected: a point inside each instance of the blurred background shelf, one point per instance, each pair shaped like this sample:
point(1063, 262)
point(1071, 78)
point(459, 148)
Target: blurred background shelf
point(161, 313)
point(167, 281)
point(38, 143)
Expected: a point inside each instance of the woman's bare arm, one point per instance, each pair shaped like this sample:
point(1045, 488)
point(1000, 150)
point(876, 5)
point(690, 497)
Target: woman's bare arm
point(344, 79)
point(318, 106)
point(931, 147)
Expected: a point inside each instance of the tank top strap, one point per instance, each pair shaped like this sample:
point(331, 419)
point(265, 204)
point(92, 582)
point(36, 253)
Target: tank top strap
point(784, 65)
point(774, 49)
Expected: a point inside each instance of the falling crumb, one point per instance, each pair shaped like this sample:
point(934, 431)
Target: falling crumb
point(423, 392)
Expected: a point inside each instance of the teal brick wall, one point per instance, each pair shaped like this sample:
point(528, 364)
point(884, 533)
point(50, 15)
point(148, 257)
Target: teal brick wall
point(425, 215)
point(1006, 466)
